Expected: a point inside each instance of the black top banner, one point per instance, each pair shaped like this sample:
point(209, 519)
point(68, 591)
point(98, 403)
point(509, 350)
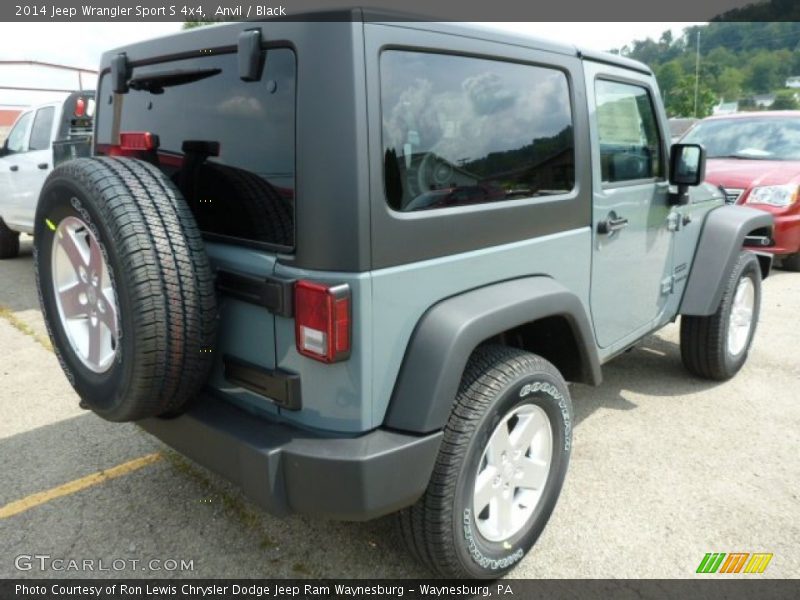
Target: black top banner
point(365, 589)
point(386, 10)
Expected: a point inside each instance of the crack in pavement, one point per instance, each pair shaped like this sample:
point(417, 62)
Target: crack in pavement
point(20, 325)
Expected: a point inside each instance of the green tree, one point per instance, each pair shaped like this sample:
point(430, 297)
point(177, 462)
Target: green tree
point(193, 24)
point(722, 57)
point(785, 100)
point(763, 73)
point(784, 59)
point(669, 76)
point(679, 102)
point(728, 85)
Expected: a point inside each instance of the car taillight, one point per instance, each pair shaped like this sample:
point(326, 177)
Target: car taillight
point(136, 141)
point(136, 144)
point(322, 320)
point(80, 107)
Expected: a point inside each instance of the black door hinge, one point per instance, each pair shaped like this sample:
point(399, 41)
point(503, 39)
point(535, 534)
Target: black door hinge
point(274, 294)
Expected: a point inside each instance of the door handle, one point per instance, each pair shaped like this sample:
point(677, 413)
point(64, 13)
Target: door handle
point(612, 223)
point(42, 165)
point(13, 168)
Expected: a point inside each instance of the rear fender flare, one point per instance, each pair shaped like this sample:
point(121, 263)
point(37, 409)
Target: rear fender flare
point(449, 332)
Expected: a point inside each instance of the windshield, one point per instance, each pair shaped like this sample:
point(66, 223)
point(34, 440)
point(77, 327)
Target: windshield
point(753, 139)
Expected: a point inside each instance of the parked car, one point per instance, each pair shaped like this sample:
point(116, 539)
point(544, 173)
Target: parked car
point(41, 136)
point(239, 272)
point(755, 157)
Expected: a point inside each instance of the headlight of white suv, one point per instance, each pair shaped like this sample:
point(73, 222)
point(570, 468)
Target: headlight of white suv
point(774, 195)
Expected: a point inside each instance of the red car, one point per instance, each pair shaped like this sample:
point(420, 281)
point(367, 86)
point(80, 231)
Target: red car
point(756, 158)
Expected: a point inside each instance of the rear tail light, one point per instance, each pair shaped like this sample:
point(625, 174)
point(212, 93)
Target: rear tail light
point(136, 144)
point(80, 107)
point(136, 141)
point(322, 320)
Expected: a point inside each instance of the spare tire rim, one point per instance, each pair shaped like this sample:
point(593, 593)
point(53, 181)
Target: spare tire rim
point(512, 472)
point(85, 297)
point(741, 318)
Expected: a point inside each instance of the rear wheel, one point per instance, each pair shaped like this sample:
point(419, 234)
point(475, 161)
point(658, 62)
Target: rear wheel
point(9, 242)
point(716, 346)
point(125, 287)
point(500, 469)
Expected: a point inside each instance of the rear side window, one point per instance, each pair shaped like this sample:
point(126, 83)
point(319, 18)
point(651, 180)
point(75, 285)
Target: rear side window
point(630, 145)
point(461, 131)
point(42, 128)
point(229, 145)
point(19, 134)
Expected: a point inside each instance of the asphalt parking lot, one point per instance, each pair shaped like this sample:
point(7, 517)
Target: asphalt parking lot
point(665, 468)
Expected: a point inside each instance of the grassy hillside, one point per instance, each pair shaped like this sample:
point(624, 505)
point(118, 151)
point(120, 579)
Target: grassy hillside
point(738, 60)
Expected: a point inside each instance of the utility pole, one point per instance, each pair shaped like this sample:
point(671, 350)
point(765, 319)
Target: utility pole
point(697, 73)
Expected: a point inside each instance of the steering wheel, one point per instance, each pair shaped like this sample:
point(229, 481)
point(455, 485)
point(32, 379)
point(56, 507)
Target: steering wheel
point(432, 172)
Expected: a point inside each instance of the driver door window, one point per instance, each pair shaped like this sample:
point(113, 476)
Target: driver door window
point(630, 145)
point(18, 138)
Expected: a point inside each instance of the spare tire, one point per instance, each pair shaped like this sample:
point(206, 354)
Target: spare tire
point(245, 203)
point(125, 286)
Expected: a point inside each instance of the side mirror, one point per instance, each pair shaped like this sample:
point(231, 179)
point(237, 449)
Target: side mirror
point(687, 167)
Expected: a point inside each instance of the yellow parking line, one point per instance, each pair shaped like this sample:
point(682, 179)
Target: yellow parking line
point(34, 500)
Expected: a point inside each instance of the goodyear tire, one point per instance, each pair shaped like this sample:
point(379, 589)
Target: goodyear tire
point(9, 242)
point(500, 469)
point(125, 286)
point(716, 346)
point(251, 205)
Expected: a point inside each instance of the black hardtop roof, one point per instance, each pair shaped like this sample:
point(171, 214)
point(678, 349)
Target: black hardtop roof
point(219, 35)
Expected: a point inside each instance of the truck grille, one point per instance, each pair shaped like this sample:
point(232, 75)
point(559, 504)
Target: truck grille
point(78, 132)
point(732, 195)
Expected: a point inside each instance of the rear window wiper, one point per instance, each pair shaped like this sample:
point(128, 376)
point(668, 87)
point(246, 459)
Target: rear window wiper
point(156, 82)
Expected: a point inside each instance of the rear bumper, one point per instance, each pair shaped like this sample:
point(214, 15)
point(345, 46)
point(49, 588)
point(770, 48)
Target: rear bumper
point(287, 470)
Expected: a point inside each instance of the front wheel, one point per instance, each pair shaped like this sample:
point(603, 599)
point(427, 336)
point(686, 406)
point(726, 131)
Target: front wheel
point(500, 469)
point(716, 346)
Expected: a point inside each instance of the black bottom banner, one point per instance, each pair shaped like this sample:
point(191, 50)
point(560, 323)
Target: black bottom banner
point(550, 589)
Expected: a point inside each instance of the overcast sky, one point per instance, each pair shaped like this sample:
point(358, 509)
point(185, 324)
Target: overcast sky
point(81, 44)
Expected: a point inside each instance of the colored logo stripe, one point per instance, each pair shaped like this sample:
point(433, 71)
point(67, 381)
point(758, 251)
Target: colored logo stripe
point(711, 562)
point(734, 563)
point(758, 563)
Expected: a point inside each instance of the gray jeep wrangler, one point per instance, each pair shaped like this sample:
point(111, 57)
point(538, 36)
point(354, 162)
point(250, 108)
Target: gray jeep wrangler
point(350, 264)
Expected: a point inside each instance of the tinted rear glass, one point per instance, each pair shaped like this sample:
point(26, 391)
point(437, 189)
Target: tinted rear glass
point(460, 131)
point(229, 145)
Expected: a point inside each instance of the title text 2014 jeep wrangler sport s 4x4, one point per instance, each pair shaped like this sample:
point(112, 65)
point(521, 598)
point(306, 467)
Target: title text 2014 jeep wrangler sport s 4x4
point(350, 264)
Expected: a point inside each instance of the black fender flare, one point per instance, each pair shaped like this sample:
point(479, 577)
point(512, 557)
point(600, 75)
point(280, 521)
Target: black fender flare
point(449, 331)
point(721, 240)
